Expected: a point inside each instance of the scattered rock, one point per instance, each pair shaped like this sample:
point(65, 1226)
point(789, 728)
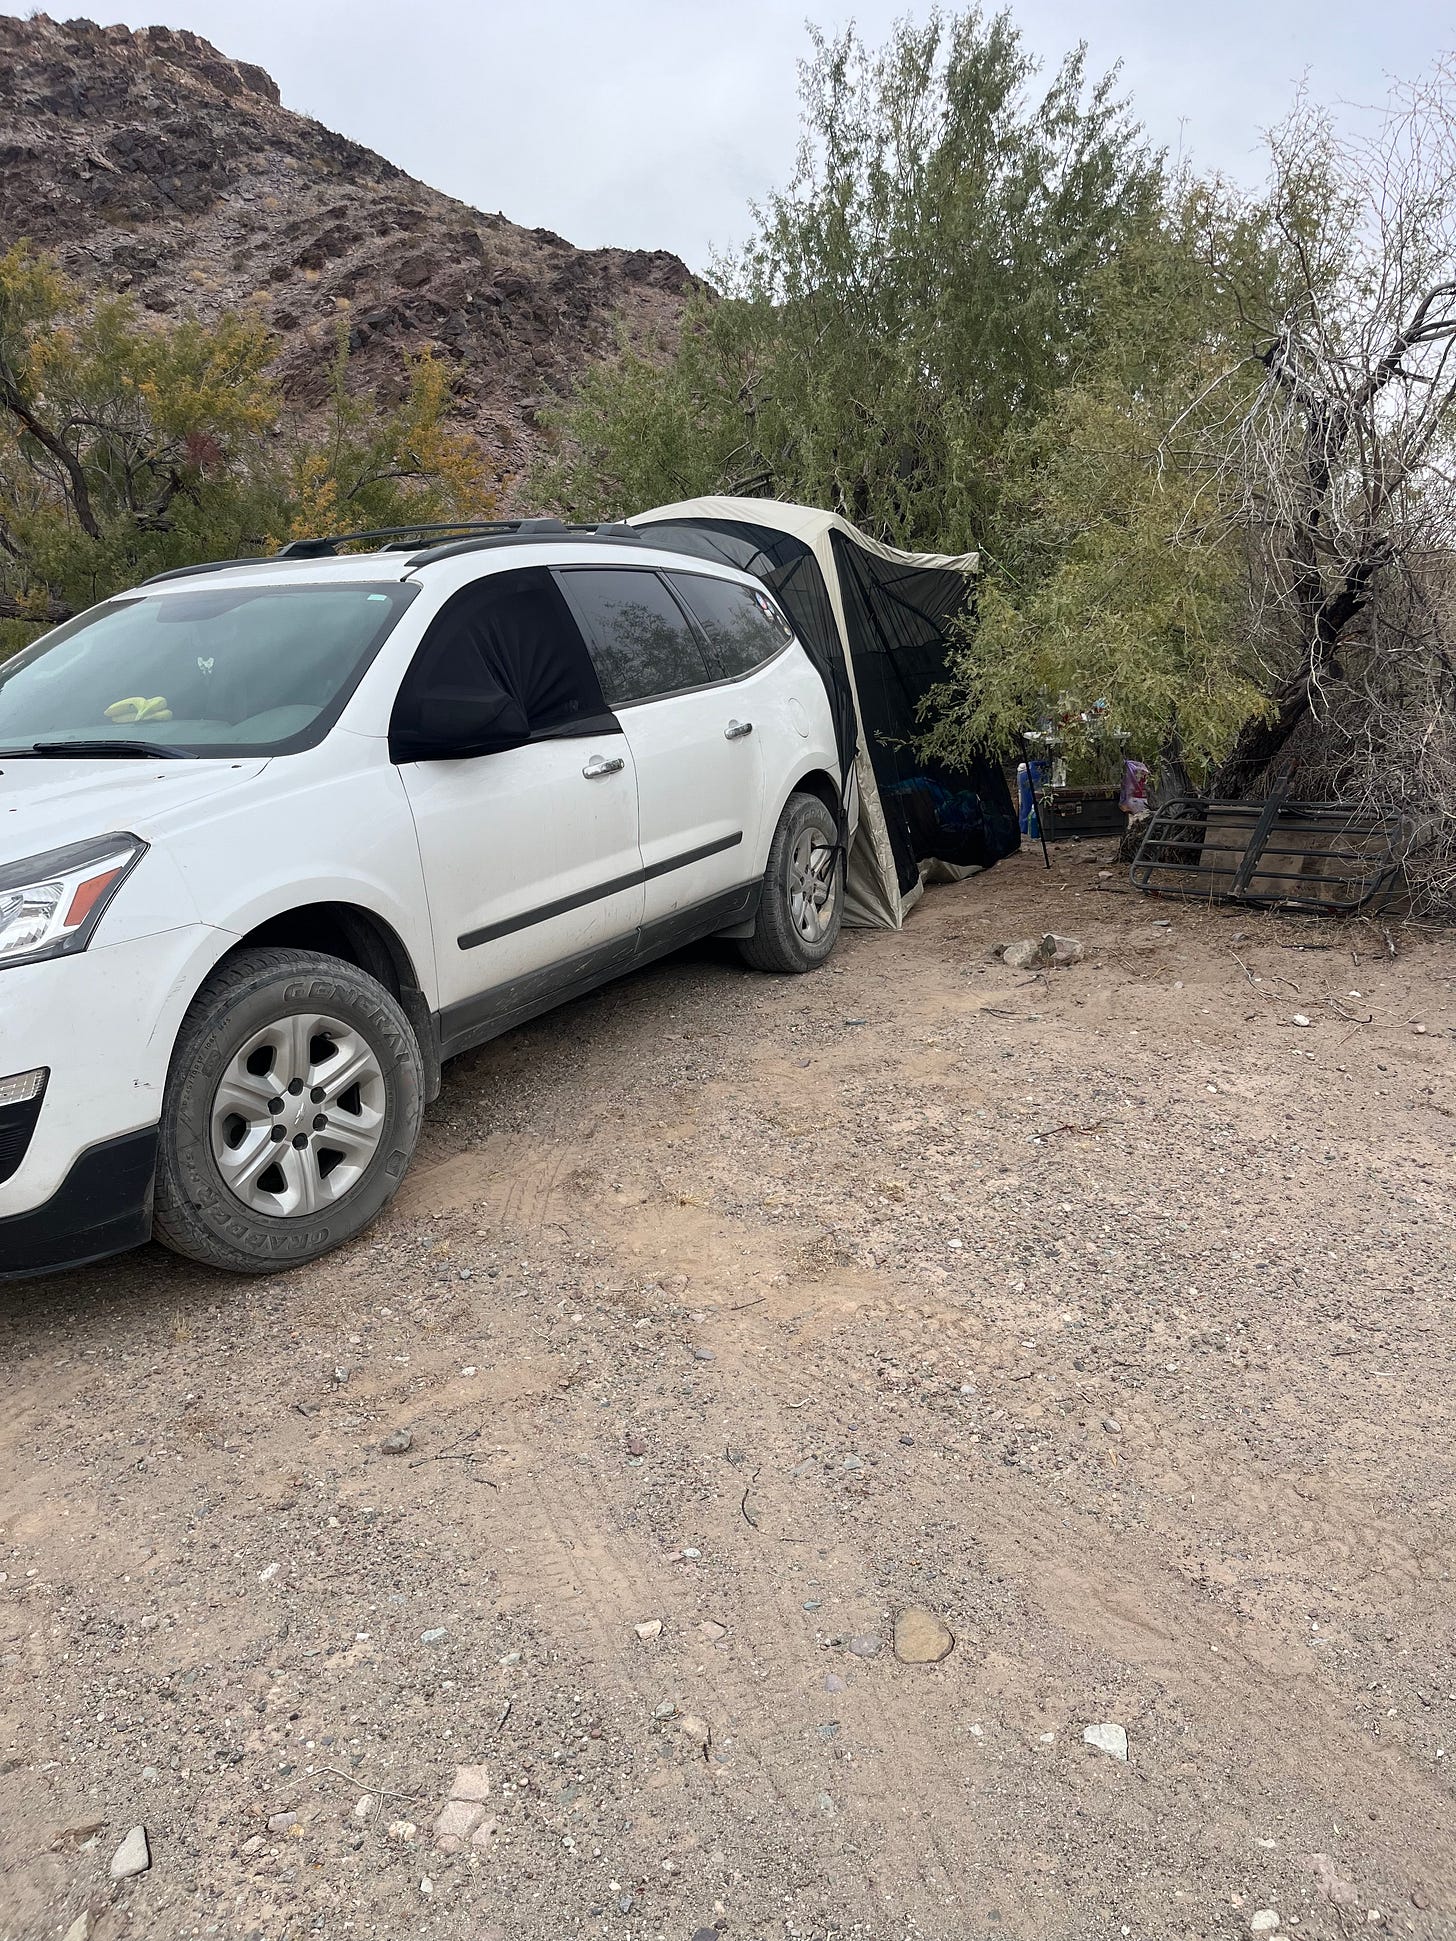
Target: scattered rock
point(712, 1632)
point(1266, 1921)
point(1303, 1022)
point(651, 1629)
point(437, 1634)
point(471, 1782)
point(457, 1820)
point(483, 1834)
point(704, 1354)
point(341, 1374)
point(396, 1442)
point(695, 1729)
point(282, 1822)
point(133, 1856)
point(865, 1647)
point(1419, 1898)
point(1061, 951)
point(1034, 953)
point(636, 1445)
point(1109, 1738)
point(705, 1934)
point(403, 1830)
point(80, 1928)
point(921, 1638)
point(1023, 955)
point(1330, 1884)
point(834, 1683)
point(666, 1710)
point(364, 1808)
point(1112, 1425)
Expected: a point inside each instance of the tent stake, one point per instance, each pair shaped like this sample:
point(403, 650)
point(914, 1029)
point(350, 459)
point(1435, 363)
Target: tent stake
point(1035, 802)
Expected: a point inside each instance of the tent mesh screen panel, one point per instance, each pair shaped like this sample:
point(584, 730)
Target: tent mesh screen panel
point(897, 617)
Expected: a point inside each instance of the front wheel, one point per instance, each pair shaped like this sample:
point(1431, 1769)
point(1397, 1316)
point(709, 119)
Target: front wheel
point(292, 1110)
point(802, 905)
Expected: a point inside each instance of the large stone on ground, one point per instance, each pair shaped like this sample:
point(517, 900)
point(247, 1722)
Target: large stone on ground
point(471, 1782)
point(133, 1856)
point(921, 1638)
point(458, 1819)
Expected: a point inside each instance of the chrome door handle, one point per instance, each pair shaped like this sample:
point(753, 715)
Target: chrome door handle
point(599, 765)
point(737, 729)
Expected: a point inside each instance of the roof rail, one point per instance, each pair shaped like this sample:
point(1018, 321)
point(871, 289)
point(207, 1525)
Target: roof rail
point(208, 566)
point(465, 536)
point(519, 531)
point(327, 545)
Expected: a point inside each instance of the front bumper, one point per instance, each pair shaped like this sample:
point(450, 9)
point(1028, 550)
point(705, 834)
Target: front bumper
point(102, 1206)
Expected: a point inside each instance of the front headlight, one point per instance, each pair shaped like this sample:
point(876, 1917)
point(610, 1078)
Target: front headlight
point(50, 904)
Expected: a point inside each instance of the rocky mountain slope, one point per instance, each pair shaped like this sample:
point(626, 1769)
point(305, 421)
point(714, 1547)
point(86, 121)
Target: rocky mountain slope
point(152, 163)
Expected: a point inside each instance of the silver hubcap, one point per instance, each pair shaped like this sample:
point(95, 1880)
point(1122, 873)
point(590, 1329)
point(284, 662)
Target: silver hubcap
point(298, 1115)
point(813, 886)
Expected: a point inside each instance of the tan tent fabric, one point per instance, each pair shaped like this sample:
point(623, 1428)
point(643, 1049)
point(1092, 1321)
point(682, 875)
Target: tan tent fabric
point(872, 893)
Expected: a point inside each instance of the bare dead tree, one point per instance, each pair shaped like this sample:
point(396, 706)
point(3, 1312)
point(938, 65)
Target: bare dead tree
point(1343, 467)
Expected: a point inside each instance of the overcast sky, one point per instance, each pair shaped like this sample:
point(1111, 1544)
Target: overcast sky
point(653, 124)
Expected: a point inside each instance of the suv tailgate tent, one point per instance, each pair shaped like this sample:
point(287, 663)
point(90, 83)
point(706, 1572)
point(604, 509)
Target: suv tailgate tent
point(875, 621)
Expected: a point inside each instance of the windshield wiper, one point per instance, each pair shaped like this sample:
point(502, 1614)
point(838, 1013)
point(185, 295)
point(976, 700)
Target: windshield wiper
point(138, 750)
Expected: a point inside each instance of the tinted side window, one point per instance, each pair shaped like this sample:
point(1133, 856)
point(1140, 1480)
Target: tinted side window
point(742, 626)
point(509, 639)
point(640, 638)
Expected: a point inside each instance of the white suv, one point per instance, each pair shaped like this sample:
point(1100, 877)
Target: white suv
point(278, 836)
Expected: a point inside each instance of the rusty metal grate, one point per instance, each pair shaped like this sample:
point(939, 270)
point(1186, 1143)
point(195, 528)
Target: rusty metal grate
point(1277, 854)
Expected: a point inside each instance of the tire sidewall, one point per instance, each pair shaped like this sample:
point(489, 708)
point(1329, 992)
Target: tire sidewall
point(189, 1178)
point(802, 812)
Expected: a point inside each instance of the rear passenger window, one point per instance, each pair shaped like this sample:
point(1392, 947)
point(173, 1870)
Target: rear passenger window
point(742, 625)
point(640, 638)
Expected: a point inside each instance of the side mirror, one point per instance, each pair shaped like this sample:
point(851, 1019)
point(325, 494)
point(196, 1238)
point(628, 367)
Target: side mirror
point(442, 727)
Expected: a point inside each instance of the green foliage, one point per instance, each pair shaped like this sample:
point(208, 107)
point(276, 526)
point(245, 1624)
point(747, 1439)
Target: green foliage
point(984, 314)
point(1138, 606)
point(128, 447)
point(1119, 573)
point(922, 283)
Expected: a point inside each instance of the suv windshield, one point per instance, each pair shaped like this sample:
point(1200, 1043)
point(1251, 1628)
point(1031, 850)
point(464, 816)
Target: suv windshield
point(230, 671)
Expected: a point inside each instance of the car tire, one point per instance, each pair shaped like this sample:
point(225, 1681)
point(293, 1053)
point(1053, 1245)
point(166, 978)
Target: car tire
point(247, 1176)
point(802, 905)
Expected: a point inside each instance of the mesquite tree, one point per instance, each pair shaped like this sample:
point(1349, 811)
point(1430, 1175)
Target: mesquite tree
point(921, 282)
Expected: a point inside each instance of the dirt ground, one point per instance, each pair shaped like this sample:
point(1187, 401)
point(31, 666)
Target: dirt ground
point(1105, 1314)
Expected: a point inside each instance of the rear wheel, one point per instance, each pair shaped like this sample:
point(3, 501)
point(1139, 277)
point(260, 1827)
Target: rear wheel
point(802, 905)
point(292, 1110)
